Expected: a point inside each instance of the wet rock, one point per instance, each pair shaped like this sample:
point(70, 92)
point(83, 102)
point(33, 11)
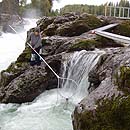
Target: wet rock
point(44, 22)
point(105, 96)
point(24, 83)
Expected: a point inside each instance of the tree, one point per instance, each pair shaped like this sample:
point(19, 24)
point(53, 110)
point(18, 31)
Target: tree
point(44, 6)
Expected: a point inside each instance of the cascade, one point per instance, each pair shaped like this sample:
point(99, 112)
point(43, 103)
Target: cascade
point(40, 114)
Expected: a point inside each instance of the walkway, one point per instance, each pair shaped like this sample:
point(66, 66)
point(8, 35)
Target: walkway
point(101, 31)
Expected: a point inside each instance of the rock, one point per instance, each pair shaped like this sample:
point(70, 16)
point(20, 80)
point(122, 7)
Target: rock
point(122, 29)
point(109, 20)
point(51, 30)
point(123, 78)
point(44, 22)
point(75, 28)
point(9, 15)
point(106, 97)
point(60, 20)
point(109, 115)
point(70, 24)
point(24, 83)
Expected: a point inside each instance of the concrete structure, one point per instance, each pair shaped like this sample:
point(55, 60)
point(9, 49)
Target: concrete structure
point(101, 31)
point(118, 12)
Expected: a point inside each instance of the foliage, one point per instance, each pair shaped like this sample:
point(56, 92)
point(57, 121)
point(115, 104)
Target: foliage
point(123, 78)
point(123, 29)
point(42, 7)
point(91, 44)
point(85, 45)
point(93, 9)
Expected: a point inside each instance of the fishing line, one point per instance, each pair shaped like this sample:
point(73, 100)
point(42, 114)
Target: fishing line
point(57, 76)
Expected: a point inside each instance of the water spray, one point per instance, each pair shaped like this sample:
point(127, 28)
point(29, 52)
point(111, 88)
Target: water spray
point(57, 76)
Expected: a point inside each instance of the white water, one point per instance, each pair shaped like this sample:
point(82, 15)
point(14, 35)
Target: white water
point(11, 45)
point(49, 111)
point(46, 112)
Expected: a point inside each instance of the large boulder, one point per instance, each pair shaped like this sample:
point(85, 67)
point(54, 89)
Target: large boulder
point(71, 24)
point(74, 28)
point(23, 83)
point(107, 105)
point(44, 22)
point(123, 28)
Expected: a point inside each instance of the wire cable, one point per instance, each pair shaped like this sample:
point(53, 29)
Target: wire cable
point(57, 76)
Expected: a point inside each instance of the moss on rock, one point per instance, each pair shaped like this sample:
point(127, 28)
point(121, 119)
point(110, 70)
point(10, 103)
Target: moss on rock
point(123, 78)
point(91, 44)
point(25, 56)
point(111, 114)
point(123, 29)
point(79, 26)
point(84, 45)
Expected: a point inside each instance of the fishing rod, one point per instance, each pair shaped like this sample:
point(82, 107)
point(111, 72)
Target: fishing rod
point(57, 76)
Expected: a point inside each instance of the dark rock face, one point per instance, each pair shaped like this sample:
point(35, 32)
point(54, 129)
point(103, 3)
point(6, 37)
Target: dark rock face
point(71, 24)
point(106, 80)
point(22, 83)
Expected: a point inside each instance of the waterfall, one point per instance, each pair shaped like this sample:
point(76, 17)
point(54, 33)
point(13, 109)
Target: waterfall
point(47, 111)
point(77, 68)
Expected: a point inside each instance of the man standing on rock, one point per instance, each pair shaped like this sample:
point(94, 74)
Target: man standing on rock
point(36, 42)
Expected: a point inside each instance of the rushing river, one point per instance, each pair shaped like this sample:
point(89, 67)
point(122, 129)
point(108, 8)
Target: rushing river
point(49, 111)
point(11, 45)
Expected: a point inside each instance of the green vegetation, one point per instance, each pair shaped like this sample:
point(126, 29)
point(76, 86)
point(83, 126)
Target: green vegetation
point(84, 45)
point(123, 28)
point(91, 44)
point(42, 7)
point(25, 56)
point(91, 9)
point(123, 79)
point(16, 68)
point(111, 114)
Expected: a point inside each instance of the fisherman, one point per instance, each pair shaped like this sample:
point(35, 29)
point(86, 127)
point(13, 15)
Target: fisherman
point(36, 42)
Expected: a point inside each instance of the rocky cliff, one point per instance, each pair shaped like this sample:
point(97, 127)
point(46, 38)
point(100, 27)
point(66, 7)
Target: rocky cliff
point(107, 105)
point(109, 80)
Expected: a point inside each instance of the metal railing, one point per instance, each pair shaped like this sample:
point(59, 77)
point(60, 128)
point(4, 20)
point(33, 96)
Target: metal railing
point(118, 12)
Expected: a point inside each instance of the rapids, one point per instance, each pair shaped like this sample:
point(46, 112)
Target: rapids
point(11, 45)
